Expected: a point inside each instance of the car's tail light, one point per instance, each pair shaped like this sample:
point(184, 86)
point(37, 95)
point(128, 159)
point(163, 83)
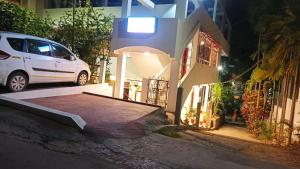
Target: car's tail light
point(4, 55)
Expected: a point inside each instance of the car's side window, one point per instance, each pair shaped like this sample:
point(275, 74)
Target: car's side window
point(38, 47)
point(16, 43)
point(61, 52)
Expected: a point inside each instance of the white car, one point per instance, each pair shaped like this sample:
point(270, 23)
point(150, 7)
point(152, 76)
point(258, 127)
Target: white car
point(26, 59)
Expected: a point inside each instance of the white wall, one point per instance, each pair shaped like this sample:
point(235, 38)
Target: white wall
point(188, 27)
point(161, 11)
point(59, 12)
point(164, 39)
point(288, 112)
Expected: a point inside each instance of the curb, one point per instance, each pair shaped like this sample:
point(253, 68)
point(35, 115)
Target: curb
point(55, 115)
point(145, 104)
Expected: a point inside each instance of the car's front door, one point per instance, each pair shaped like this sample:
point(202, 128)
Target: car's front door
point(39, 61)
point(66, 65)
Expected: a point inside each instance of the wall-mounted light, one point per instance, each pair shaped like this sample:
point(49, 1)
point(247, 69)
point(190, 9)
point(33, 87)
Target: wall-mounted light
point(202, 42)
point(220, 68)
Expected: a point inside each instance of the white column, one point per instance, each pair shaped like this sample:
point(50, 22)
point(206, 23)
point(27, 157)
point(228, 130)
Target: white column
point(120, 76)
point(181, 9)
point(102, 71)
point(196, 96)
point(126, 8)
point(173, 83)
point(206, 98)
point(144, 90)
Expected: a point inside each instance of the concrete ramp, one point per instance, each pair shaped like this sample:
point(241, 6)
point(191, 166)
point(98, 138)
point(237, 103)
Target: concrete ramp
point(65, 118)
point(105, 116)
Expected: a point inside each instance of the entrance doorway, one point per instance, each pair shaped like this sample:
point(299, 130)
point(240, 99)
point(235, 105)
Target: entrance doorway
point(158, 92)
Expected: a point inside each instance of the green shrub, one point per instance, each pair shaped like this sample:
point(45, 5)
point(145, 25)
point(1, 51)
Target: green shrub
point(89, 34)
point(20, 20)
point(169, 131)
point(265, 131)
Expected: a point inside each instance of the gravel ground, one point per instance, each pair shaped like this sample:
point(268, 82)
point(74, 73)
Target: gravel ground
point(28, 141)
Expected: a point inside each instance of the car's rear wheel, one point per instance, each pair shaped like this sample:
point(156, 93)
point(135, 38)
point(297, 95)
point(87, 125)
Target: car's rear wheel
point(82, 78)
point(17, 82)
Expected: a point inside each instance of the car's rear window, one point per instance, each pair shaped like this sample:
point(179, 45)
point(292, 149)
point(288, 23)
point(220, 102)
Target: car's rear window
point(16, 43)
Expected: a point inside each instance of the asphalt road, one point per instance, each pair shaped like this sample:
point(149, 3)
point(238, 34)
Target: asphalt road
point(15, 154)
point(32, 142)
point(29, 142)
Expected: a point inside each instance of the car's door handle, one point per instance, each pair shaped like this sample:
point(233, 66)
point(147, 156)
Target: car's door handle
point(27, 57)
point(57, 61)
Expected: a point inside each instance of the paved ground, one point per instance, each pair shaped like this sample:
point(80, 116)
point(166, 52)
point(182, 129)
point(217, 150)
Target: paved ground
point(40, 86)
point(235, 132)
point(249, 154)
point(29, 141)
point(17, 154)
point(104, 116)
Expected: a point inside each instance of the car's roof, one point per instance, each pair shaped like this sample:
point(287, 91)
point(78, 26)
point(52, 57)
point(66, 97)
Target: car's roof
point(19, 35)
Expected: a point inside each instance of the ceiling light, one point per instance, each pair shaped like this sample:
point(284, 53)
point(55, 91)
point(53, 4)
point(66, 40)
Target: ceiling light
point(147, 54)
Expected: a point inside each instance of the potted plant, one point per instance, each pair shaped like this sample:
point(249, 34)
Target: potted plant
point(186, 121)
point(190, 117)
point(203, 119)
point(217, 120)
point(217, 105)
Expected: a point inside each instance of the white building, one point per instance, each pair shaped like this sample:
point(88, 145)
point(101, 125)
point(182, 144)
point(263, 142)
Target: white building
point(167, 44)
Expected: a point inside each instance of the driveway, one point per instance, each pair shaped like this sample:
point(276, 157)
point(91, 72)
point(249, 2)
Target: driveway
point(41, 86)
point(104, 116)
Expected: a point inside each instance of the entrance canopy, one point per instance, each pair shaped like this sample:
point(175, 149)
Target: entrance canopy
point(144, 62)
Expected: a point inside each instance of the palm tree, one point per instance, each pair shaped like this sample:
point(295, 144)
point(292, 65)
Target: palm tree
point(280, 44)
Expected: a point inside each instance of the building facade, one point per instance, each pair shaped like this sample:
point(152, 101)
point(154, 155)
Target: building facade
point(182, 48)
point(160, 46)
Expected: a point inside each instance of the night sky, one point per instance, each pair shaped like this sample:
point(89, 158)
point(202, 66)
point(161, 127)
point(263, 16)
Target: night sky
point(243, 39)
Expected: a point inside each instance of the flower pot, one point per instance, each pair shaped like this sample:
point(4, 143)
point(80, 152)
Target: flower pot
point(216, 123)
point(234, 116)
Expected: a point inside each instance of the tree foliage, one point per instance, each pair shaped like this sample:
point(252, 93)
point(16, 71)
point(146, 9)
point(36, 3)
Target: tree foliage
point(277, 22)
point(17, 19)
point(280, 38)
point(89, 37)
point(217, 96)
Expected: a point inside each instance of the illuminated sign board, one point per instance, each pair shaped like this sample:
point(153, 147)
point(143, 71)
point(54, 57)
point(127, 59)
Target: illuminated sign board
point(141, 25)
